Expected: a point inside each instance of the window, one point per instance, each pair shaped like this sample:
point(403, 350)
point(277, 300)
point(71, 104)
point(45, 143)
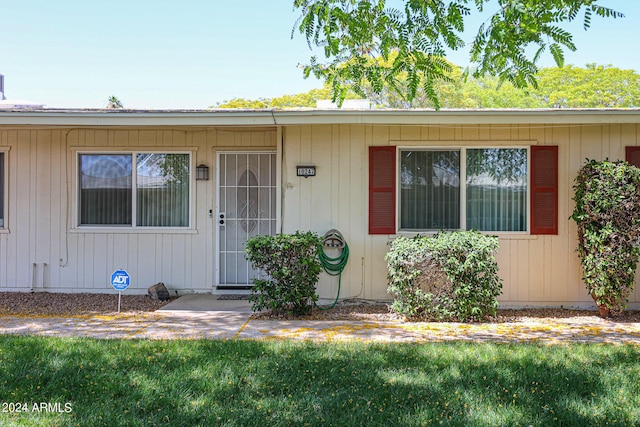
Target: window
point(2, 190)
point(485, 189)
point(429, 190)
point(495, 189)
point(134, 190)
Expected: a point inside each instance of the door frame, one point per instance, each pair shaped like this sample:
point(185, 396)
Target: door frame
point(216, 238)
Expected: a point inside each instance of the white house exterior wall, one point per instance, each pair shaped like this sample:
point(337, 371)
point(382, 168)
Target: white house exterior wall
point(42, 250)
point(538, 270)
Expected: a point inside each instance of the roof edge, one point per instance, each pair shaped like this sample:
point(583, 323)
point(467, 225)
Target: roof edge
point(274, 117)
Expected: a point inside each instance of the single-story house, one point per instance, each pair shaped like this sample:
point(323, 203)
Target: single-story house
point(171, 196)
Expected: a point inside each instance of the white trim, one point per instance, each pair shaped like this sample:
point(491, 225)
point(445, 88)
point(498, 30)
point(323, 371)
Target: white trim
point(446, 144)
point(462, 149)
point(502, 235)
point(279, 175)
point(529, 190)
point(275, 117)
point(102, 229)
point(463, 188)
point(216, 227)
point(76, 227)
point(4, 227)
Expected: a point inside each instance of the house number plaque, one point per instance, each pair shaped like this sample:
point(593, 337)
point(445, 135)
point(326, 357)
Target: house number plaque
point(306, 171)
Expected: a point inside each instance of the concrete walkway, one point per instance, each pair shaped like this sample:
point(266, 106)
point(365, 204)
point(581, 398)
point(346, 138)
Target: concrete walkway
point(204, 316)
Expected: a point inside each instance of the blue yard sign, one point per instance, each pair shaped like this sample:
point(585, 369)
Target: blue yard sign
point(120, 280)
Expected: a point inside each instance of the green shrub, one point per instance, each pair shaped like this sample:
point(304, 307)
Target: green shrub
point(292, 267)
point(607, 211)
point(451, 276)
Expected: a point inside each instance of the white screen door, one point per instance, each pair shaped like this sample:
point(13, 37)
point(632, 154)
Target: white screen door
point(246, 208)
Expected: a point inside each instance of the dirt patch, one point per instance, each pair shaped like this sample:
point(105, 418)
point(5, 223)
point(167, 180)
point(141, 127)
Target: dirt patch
point(376, 311)
point(58, 304)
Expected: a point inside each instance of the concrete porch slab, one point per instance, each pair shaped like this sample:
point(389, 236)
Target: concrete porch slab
point(206, 303)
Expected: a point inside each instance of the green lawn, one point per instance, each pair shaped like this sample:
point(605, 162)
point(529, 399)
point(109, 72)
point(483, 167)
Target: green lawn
point(245, 383)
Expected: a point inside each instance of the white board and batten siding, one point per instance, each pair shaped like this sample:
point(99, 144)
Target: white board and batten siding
point(42, 249)
point(538, 270)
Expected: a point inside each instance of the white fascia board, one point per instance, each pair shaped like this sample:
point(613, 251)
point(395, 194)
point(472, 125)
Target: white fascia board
point(211, 118)
point(458, 117)
point(136, 118)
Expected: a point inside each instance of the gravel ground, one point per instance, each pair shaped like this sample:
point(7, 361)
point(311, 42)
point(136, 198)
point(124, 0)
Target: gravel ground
point(363, 310)
point(57, 304)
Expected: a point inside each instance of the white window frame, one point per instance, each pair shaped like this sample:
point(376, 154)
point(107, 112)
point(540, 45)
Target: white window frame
point(134, 227)
point(4, 227)
point(463, 184)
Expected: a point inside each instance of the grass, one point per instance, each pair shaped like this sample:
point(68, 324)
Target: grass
point(247, 383)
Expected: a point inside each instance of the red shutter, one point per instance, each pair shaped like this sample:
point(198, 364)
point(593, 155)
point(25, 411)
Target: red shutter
point(633, 156)
point(382, 190)
point(544, 189)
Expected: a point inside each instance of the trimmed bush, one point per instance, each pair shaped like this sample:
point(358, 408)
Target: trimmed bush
point(452, 276)
point(607, 211)
point(292, 268)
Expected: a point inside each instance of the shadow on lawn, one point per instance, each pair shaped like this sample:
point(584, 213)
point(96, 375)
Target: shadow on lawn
point(125, 382)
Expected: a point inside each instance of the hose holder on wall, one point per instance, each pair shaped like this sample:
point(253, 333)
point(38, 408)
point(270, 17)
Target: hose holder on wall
point(333, 266)
point(333, 239)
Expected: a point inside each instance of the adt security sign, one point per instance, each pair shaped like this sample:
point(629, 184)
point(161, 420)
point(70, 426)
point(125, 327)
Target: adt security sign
point(120, 280)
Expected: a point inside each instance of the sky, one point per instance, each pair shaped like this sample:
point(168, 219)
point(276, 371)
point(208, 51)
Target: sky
point(192, 54)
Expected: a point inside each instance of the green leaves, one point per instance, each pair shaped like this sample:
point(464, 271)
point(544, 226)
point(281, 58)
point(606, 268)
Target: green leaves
point(594, 86)
point(354, 35)
point(358, 39)
point(607, 212)
point(450, 276)
point(290, 262)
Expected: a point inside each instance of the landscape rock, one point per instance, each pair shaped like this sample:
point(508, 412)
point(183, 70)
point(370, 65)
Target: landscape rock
point(158, 292)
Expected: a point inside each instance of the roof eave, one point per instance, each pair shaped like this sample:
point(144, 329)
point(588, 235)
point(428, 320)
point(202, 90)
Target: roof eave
point(459, 117)
point(212, 118)
point(127, 118)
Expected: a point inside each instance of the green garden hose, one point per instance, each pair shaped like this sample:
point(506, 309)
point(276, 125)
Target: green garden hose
point(333, 267)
